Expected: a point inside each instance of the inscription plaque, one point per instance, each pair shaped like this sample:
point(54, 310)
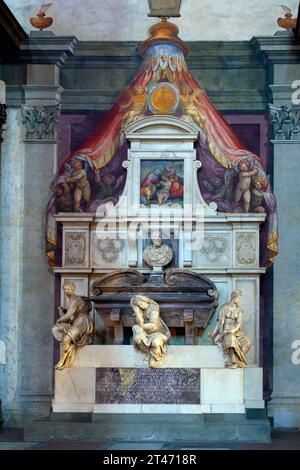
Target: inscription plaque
point(148, 386)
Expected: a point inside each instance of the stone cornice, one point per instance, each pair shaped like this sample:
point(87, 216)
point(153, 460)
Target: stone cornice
point(45, 48)
point(202, 53)
point(86, 68)
point(281, 49)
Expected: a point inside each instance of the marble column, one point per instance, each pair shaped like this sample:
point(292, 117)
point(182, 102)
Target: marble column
point(32, 390)
point(3, 118)
point(282, 56)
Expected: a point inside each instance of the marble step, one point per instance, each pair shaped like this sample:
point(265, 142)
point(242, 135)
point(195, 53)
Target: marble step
point(147, 428)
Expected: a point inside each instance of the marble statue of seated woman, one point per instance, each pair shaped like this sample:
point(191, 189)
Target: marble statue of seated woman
point(228, 333)
point(150, 333)
point(74, 328)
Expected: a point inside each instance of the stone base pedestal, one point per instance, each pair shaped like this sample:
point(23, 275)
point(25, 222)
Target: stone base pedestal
point(191, 380)
point(285, 412)
point(151, 427)
point(110, 393)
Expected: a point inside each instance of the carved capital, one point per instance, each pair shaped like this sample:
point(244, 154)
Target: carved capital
point(40, 122)
point(285, 122)
point(3, 117)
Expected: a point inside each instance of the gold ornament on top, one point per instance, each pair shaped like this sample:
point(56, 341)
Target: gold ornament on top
point(166, 33)
point(288, 22)
point(41, 21)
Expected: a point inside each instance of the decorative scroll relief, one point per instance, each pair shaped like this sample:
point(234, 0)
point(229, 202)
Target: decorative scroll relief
point(215, 250)
point(285, 122)
point(246, 248)
point(107, 251)
point(75, 248)
point(110, 249)
point(40, 122)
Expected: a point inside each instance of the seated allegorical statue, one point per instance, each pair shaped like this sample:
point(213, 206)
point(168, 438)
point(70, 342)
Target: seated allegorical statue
point(228, 333)
point(150, 333)
point(74, 329)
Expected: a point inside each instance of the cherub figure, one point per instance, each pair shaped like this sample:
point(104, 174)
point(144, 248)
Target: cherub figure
point(147, 193)
point(137, 105)
point(82, 188)
point(188, 98)
point(242, 191)
point(63, 198)
point(164, 190)
point(108, 184)
point(219, 190)
point(257, 195)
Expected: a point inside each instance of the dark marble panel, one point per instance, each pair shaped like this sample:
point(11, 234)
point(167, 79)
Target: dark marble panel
point(148, 386)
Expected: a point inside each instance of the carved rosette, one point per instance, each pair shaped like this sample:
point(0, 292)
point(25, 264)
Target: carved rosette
point(40, 122)
point(285, 122)
point(3, 117)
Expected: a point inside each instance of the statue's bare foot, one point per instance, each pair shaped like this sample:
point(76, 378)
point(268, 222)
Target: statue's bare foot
point(62, 363)
point(153, 363)
point(59, 365)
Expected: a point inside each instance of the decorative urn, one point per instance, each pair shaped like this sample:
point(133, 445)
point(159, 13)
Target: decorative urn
point(41, 21)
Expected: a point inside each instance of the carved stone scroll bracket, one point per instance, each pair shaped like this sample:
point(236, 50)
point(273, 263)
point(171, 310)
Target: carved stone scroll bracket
point(40, 122)
point(3, 117)
point(117, 325)
point(285, 122)
point(188, 318)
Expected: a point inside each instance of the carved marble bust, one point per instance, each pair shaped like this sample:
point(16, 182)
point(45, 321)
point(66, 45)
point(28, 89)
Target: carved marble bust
point(157, 254)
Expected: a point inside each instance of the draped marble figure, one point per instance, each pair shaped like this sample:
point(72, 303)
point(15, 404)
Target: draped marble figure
point(150, 333)
point(74, 328)
point(228, 333)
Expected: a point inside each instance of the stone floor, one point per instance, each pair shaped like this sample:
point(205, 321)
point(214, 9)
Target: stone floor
point(12, 439)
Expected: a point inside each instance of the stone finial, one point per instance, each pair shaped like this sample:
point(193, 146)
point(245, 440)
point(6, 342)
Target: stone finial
point(41, 21)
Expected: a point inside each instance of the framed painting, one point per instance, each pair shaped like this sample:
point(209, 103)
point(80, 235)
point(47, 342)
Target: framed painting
point(162, 183)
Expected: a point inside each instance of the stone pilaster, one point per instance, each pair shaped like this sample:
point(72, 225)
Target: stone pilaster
point(44, 55)
point(3, 117)
point(282, 57)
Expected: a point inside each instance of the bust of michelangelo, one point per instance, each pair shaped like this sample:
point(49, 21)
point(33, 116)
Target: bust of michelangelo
point(157, 254)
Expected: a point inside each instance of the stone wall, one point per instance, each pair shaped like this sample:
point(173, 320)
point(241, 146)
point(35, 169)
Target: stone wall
point(240, 77)
point(235, 20)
